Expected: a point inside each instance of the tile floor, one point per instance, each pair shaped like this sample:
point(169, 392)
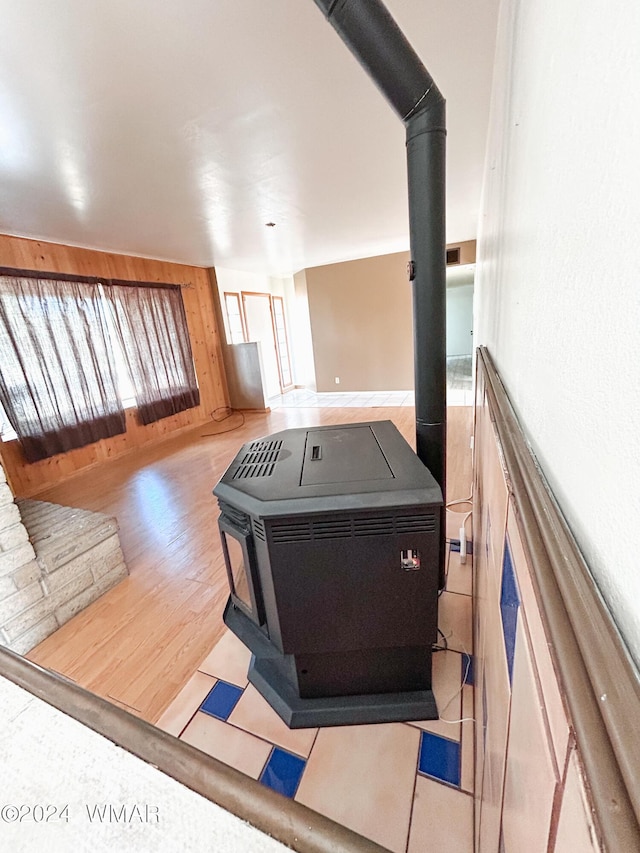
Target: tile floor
point(304, 398)
point(407, 786)
point(459, 393)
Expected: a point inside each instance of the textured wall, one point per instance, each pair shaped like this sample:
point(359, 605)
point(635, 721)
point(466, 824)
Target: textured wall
point(50, 758)
point(557, 291)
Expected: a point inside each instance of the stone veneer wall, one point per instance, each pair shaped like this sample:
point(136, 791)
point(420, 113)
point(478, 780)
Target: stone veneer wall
point(54, 561)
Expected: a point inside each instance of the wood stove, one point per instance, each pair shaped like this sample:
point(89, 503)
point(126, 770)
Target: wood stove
point(331, 537)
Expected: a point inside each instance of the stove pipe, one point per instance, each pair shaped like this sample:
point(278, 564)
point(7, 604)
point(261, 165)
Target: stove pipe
point(377, 42)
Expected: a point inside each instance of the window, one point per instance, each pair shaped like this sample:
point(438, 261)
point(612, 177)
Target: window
point(73, 351)
point(282, 344)
point(126, 391)
point(152, 329)
point(7, 432)
point(57, 377)
point(235, 320)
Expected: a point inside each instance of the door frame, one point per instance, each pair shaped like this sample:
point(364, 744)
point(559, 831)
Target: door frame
point(245, 293)
point(286, 342)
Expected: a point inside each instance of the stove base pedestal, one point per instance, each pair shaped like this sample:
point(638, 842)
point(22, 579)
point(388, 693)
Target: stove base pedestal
point(270, 673)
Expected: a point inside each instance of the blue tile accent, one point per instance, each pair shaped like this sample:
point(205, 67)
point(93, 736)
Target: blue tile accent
point(485, 714)
point(221, 700)
point(509, 593)
point(467, 669)
point(283, 772)
point(440, 758)
point(509, 604)
point(487, 538)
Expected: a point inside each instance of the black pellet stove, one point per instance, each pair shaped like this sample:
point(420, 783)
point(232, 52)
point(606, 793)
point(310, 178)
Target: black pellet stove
point(331, 538)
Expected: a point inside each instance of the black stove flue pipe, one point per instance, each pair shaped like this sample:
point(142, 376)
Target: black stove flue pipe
point(375, 39)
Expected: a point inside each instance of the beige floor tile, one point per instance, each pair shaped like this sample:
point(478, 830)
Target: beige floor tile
point(459, 575)
point(575, 825)
point(540, 646)
point(455, 520)
point(447, 684)
point(497, 691)
point(228, 660)
point(186, 703)
point(442, 819)
point(363, 777)
point(232, 746)
point(530, 777)
point(495, 496)
point(467, 743)
point(254, 714)
point(454, 620)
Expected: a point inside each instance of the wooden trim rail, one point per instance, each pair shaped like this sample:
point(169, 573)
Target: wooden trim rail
point(598, 675)
point(14, 272)
point(285, 820)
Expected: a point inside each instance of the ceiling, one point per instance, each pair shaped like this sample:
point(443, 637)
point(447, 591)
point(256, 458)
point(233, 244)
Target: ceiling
point(176, 130)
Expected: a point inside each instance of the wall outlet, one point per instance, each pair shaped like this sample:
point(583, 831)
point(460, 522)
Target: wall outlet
point(337, 380)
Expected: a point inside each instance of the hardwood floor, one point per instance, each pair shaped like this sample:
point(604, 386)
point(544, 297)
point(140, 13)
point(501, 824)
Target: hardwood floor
point(140, 642)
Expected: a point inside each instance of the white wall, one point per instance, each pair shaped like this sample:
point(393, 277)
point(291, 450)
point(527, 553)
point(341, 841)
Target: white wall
point(557, 283)
point(302, 341)
point(459, 318)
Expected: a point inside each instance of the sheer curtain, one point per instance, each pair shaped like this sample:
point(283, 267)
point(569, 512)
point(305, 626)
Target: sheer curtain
point(57, 376)
point(152, 326)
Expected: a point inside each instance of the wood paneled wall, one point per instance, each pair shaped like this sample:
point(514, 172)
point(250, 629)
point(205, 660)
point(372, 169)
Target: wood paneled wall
point(29, 479)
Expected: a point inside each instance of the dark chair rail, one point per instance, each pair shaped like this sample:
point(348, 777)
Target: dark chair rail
point(598, 675)
point(285, 820)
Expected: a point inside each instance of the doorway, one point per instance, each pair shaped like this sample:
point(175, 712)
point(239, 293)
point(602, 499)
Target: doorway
point(258, 315)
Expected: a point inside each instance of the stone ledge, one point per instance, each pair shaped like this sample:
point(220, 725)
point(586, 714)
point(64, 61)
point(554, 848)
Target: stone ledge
point(60, 533)
point(12, 560)
point(35, 635)
point(77, 559)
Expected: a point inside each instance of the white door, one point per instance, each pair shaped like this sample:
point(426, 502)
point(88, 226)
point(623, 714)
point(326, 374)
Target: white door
point(259, 322)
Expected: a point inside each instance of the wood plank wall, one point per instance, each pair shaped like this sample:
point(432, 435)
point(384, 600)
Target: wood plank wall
point(29, 479)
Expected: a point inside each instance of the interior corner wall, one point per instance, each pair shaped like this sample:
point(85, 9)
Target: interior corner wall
point(360, 313)
point(304, 371)
point(557, 295)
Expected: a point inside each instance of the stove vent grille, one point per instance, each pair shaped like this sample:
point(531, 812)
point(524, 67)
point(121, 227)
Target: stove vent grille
point(247, 472)
point(346, 528)
point(291, 531)
point(258, 530)
point(259, 460)
point(416, 523)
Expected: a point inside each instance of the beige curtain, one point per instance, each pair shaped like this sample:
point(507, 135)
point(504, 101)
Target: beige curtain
point(57, 376)
point(153, 331)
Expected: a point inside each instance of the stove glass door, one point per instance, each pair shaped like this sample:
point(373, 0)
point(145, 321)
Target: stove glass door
point(237, 569)
point(242, 571)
